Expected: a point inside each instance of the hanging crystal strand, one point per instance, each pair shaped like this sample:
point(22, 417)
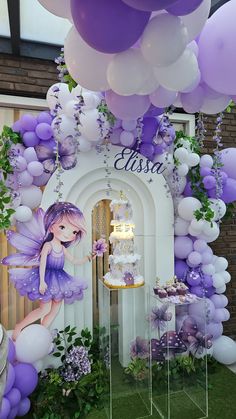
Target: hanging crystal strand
point(217, 165)
point(59, 172)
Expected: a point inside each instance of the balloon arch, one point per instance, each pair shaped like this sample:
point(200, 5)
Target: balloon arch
point(122, 86)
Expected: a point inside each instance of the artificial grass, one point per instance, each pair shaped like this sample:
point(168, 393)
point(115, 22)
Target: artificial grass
point(222, 401)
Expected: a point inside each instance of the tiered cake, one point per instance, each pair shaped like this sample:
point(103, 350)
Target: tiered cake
point(124, 263)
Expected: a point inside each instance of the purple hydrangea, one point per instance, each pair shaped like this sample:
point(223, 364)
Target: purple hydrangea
point(139, 348)
point(76, 364)
point(99, 247)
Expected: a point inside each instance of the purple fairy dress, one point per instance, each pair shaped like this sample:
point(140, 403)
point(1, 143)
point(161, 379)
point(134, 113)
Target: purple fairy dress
point(60, 285)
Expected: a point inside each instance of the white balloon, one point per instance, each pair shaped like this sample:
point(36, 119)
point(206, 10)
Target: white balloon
point(23, 214)
point(69, 108)
point(221, 264)
point(224, 350)
point(181, 154)
point(197, 225)
point(84, 145)
point(58, 93)
point(89, 127)
point(91, 100)
point(181, 227)
point(181, 74)
point(219, 208)
point(193, 159)
point(218, 280)
point(193, 232)
point(182, 169)
point(214, 106)
point(31, 196)
point(221, 290)
point(168, 162)
point(82, 65)
point(176, 183)
point(195, 21)
point(194, 47)
point(227, 277)
point(206, 161)
point(208, 269)
point(127, 72)
point(164, 40)
point(38, 365)
point(33, 343)
point(63, 126)
point(211, 231)
point(59, 8)
point(150, 85)
point(25, 178)
point(187, 207)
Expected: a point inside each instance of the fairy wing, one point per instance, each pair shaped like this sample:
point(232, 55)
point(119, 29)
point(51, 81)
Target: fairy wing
point(28, 240)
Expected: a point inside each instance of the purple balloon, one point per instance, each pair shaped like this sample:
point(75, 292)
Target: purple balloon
point(205, 171)
point(44, 131)
point(183, 7)
point(149, 5)
point(180, 268)
point(30, 139)
point(183, 246)
point(209, 182)
point(198, 291)
point(24, 407)
point(11, 351)
point(214, 329)
point(228, 158)
point(217, 56)
point(188, 190)
point(26, 378)
point(13, 413)
point(209, 291)
point(193, 280)
point(10, 379)
point(109, 26)
point(219, 300)
point(147, 150)
point(13, 396)
point(229, 191)
point(207, 281)
point(127, 107)
point(17, 127)
point(150, 126)
point(28, 122)
point(154, 111)
point(159, 149)
point(44, 117)
point(193, 101)
point(5, 408)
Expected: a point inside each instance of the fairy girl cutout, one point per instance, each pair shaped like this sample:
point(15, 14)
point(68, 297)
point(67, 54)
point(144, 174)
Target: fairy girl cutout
point(43, 244)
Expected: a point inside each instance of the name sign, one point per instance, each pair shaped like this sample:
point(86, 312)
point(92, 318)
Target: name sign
point(131, 161)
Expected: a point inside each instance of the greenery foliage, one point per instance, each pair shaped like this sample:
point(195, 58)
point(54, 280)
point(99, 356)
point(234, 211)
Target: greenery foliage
point(197, 186)
point(56, 398)
point(7, 138)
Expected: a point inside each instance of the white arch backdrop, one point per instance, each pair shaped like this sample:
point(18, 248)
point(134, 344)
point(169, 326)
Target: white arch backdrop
point(153, 212)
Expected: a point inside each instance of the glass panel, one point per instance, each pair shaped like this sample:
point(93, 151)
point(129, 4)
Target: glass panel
point(179, 349)
point(44, 27)
point(125, 344)
point(4, 19)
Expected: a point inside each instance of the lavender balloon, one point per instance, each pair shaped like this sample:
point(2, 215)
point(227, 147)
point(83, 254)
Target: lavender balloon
point(214, 329)
point(44, 117)
point(28, 122)
point(10, 379)
point(13, 396)
point(30, 139)
point(127, 107)
point(11, 351)
point(180, 268)
point(109, 26)
point(44, 131)
point(228, 158)
point(26, 378)
point(5, 408)
point(23, 407)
